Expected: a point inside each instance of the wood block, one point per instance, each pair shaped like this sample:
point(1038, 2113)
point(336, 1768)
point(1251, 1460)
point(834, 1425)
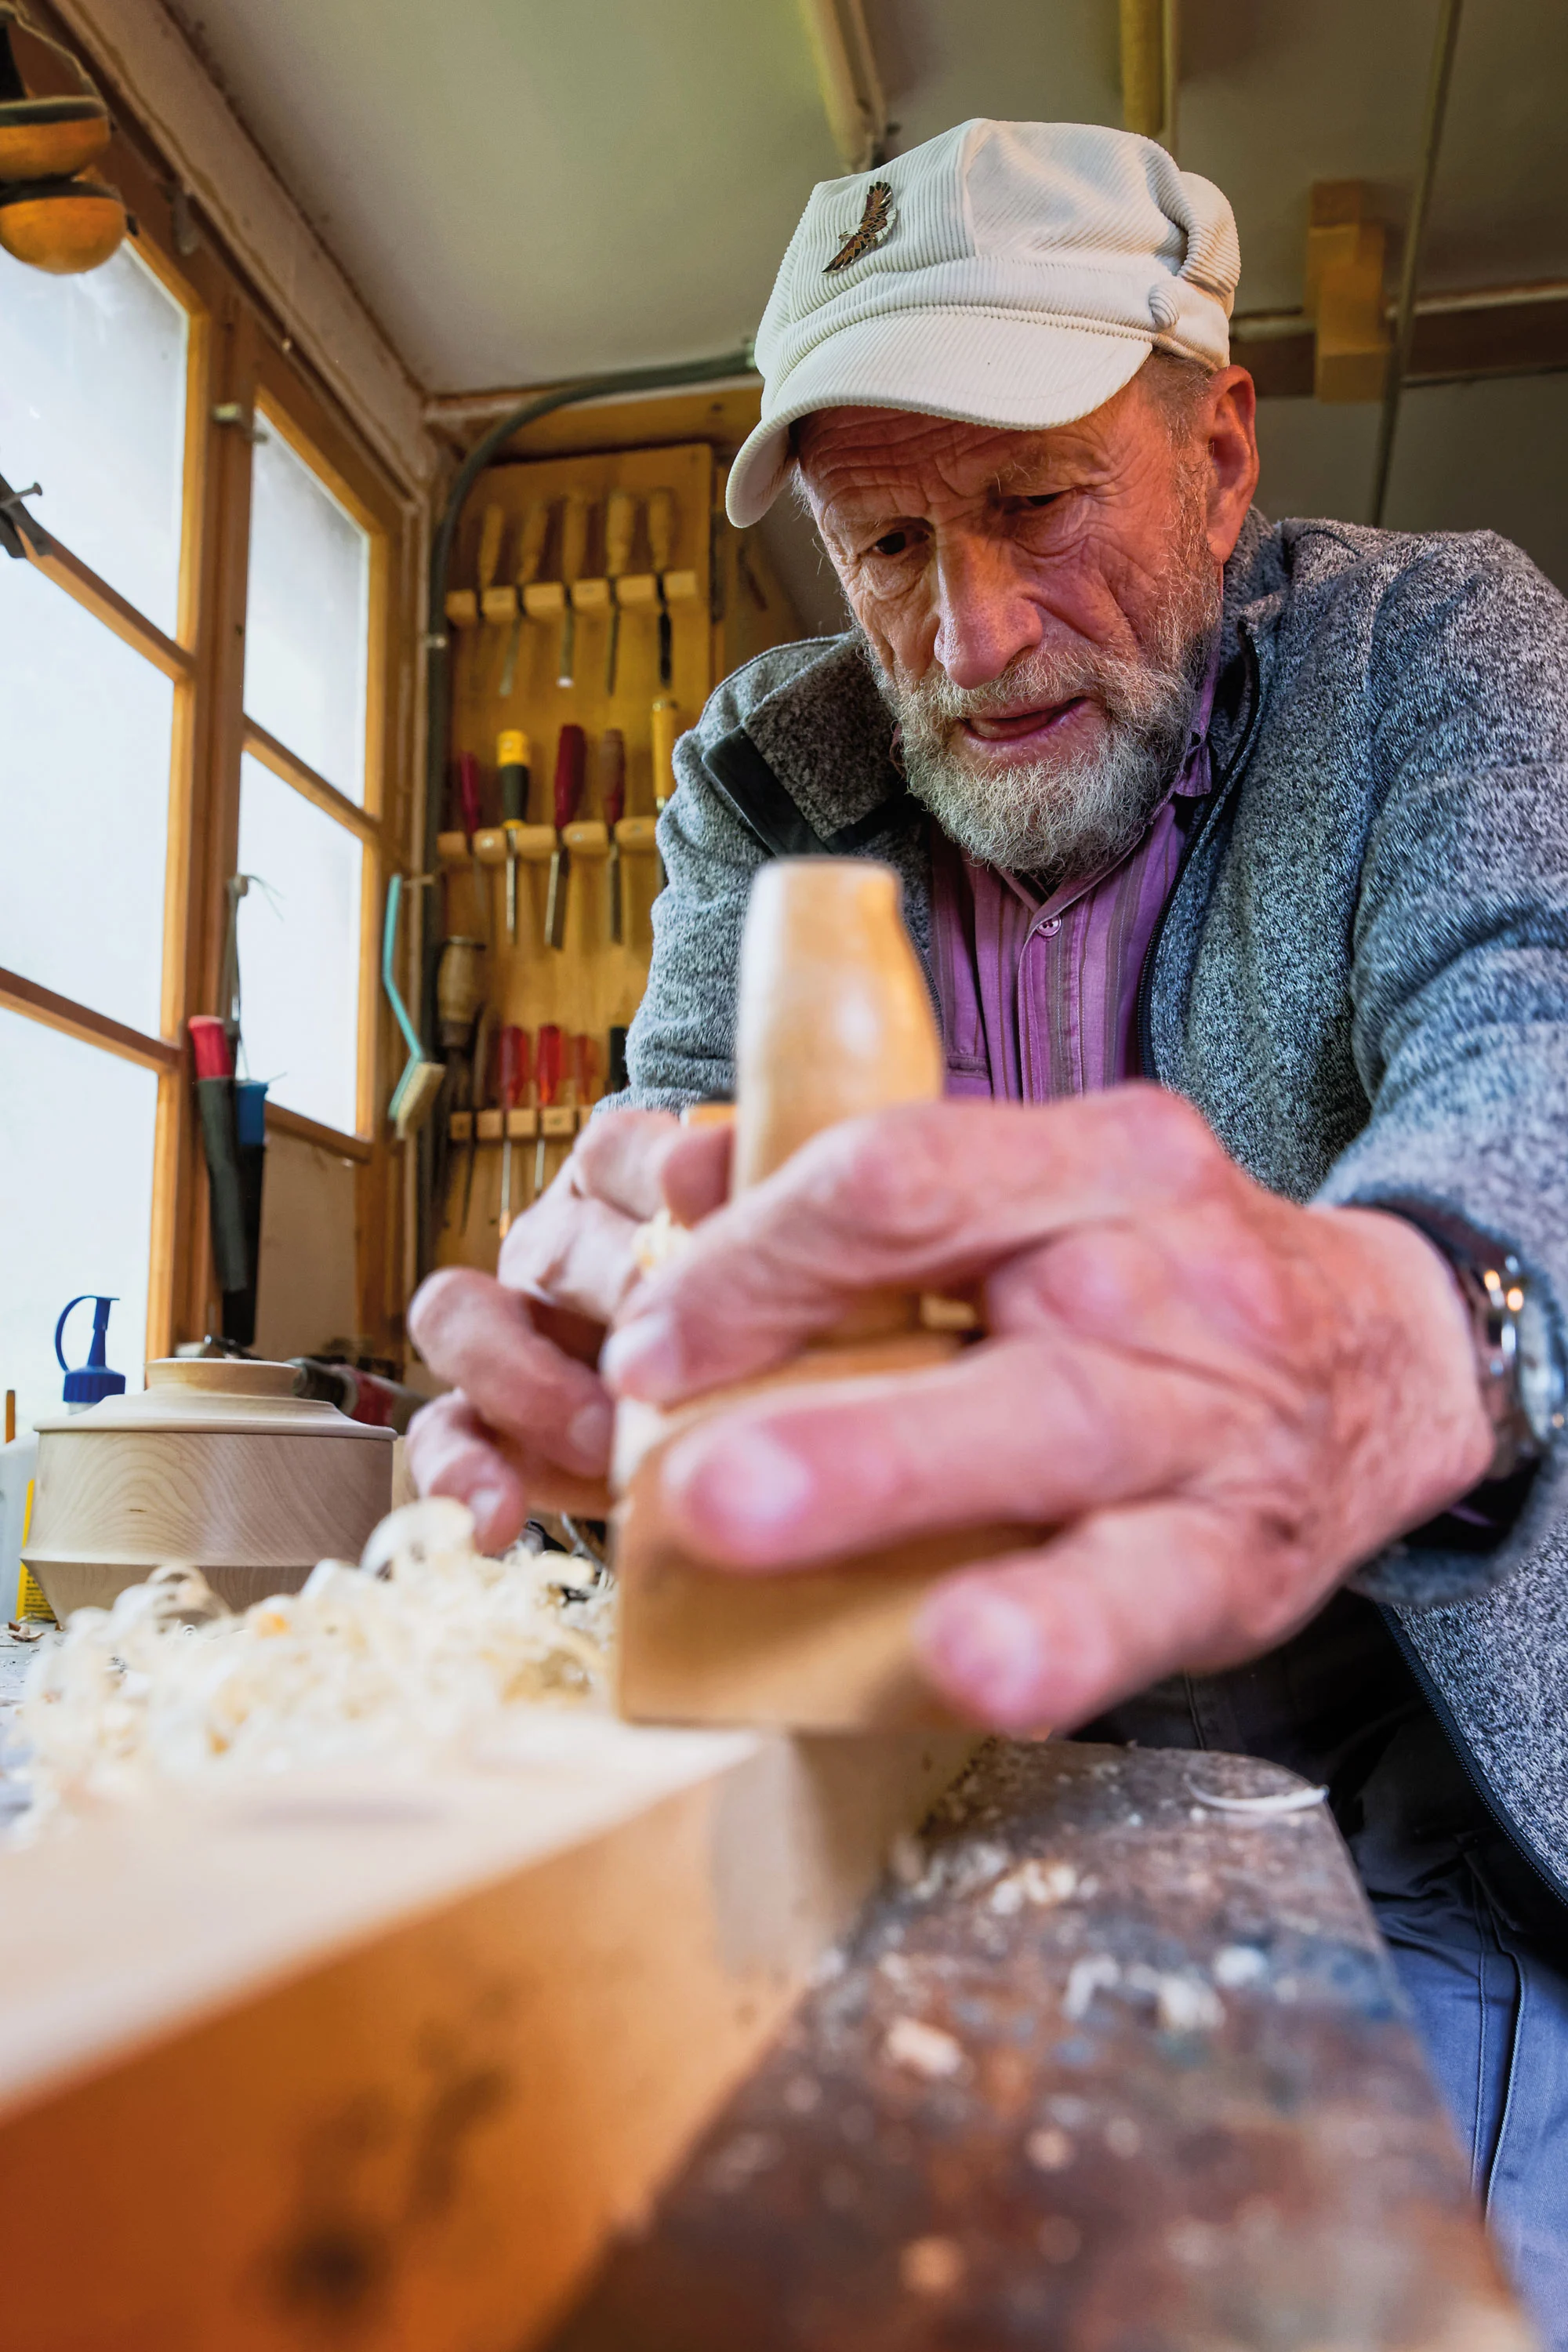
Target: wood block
point(500, 604)
point(557, 1121)
point(635, 588)
point(682, 587)
point(544, 600)
point(402, 2050)
point(523, 1125)
point(1346, 265)
point(829, 1649)
point(591, 595)
point(638, 834)
point(491, 1127)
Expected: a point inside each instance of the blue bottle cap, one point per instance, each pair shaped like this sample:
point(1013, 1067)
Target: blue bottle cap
point(93, 1380)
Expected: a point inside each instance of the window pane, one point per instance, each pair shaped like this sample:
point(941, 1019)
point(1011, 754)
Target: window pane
point(307, 627)
point(92, 406)
point(75, 1205)
point(299, 949)
point(84, 802)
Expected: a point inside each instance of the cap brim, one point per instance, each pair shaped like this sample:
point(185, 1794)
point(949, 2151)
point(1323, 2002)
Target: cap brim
point(976, 366)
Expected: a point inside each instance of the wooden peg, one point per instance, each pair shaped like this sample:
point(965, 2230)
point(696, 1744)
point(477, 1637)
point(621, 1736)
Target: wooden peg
point(835, 1020)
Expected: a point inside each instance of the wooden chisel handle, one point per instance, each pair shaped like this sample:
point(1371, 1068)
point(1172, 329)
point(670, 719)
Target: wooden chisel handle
point(620, 526)
point(531, 542)
point(492, 528)
point(661, 528)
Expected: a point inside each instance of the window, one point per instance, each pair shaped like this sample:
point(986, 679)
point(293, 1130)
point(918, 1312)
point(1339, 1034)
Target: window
point(198, 681)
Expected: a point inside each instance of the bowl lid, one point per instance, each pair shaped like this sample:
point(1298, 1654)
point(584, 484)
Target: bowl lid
point(221, 1395)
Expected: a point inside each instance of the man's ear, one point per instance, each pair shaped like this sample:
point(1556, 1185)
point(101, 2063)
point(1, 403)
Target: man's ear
point(1230, 429)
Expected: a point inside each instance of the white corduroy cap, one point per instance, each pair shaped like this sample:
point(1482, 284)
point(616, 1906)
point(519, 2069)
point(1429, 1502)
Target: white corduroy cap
point(1013, 274)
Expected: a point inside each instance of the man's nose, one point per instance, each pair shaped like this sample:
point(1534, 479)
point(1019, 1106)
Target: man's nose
point(986, 617)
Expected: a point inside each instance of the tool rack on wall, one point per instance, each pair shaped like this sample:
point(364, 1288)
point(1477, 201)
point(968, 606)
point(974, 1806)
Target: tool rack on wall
point(556, 557)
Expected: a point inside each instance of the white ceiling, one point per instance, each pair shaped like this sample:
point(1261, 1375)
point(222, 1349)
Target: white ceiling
point(528, 189)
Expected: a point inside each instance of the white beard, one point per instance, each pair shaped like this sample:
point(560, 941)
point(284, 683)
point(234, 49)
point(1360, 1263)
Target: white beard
point(1071, 815)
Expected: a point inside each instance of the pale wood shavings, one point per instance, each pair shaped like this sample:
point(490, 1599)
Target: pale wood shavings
point(419, 1651)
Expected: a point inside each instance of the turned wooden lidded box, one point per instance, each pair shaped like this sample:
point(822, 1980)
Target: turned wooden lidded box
point(217, 1464)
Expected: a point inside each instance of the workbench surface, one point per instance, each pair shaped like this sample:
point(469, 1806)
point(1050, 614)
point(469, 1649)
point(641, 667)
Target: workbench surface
point(1111, 2071)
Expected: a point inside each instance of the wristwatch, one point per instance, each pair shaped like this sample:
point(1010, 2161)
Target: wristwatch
point(1517, 1362)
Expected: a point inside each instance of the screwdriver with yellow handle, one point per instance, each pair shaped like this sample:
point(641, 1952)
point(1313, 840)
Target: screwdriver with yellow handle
point(620, 523)
point(661, 547)
point(512, 775)
point(575, 512)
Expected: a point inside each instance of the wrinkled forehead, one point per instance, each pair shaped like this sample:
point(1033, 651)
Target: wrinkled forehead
point(863, 453)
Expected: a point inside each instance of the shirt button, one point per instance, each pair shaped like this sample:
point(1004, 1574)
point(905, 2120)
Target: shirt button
point(1050, 926)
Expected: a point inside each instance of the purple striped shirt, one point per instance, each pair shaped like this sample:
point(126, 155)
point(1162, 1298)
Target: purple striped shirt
point(1040, 995)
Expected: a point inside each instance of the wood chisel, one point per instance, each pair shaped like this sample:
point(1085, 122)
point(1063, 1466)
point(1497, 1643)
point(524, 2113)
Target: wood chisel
point(492, 531)
point(661, 547)
point(547, 1077)
point(612, 795)
point(620, 522)
point(529, 558)
point(512, 1075)
point(575, 512)
point(468, 788)
point(571, 766)
point(512, 775)
point(477, 1073)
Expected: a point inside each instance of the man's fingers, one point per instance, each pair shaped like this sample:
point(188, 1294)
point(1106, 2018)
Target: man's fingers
point(479, 1334)
point(619, 1159)
point(803, 1475)
point(1048, 1639)
point(925, 1197)
point(450, 1452)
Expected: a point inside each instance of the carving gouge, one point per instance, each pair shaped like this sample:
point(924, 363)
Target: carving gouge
point(573, 551)
point(511, 773)
point(613, 789)
point(468, 787)
point(571, 762)
point(547, 1072)
point(664, 728)
point(620, 522)
point(661, 547)
point(529, 556)
point(513, 1076)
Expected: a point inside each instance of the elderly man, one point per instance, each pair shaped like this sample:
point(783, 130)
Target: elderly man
point(1273, 817)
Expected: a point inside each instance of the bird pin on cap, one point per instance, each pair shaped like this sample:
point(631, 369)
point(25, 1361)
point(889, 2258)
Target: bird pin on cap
point(876, 222)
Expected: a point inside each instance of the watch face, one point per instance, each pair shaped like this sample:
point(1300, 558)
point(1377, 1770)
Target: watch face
point(1539, 1377)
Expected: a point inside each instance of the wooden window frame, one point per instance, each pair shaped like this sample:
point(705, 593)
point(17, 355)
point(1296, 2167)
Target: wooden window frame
point(238, 362)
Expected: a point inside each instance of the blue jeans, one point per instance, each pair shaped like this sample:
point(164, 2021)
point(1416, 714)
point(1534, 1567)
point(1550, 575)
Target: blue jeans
point(1481, 1948)
point(1479, 1941)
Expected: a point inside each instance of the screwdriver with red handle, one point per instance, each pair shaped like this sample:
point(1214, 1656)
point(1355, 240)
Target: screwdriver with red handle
point(468, 786)
point(547, 1073)
point(571, 766)
point(513, 1074)
point(613, 787)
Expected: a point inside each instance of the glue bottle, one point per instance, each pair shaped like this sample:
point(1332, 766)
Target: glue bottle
point(84, 1386)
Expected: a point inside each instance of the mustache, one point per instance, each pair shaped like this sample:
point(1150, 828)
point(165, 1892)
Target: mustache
point(1130, 690)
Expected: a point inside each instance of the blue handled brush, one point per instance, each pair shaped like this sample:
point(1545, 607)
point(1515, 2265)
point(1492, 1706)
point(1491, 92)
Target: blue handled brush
point(414, 1094)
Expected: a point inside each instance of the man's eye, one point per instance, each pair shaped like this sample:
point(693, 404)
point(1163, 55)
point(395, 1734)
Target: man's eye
point(1043, 498)
point(894, 542)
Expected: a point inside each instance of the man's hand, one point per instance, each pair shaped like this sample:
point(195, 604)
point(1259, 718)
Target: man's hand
point(528, 1422)
point(1215, 1403)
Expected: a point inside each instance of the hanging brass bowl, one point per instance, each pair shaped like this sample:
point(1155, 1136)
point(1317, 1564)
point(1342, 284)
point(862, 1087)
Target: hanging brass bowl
point(50, 138)
point(62, 226)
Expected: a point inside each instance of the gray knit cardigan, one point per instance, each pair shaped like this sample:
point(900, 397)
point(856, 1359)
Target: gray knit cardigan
point(1360, 980)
